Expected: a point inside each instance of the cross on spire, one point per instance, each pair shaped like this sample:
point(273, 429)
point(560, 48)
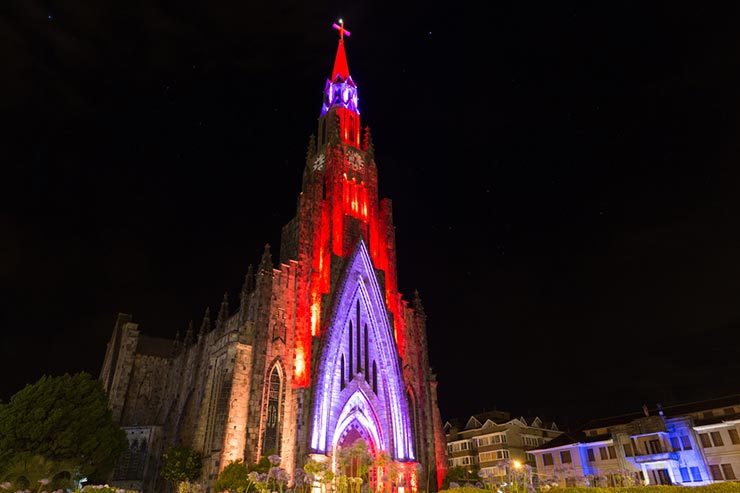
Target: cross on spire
point(340, 27)
point(340, 61)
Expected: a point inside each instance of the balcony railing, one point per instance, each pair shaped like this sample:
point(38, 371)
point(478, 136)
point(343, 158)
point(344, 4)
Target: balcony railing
point(655, 457)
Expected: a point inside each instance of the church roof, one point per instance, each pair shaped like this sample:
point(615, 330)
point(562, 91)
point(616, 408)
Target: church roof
point(154, 346)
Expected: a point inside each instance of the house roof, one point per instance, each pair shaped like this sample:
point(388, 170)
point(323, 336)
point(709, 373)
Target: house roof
point(475, 421)
point(563, 439)
point(495, 416)
point(545, 423)
point(572, 439)
point(668, 411)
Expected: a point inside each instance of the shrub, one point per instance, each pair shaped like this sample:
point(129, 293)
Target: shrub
point(726, 487)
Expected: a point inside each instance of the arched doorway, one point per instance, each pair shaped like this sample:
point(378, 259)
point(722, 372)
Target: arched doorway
point(355, 455)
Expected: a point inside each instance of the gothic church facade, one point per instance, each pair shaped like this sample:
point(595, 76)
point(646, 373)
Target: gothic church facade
point(322, 350)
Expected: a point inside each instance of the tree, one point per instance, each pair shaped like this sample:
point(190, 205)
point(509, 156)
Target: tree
point(355, 459)
point(462, 475)
point(181, 465)
point(64, 419)
point(234, 478)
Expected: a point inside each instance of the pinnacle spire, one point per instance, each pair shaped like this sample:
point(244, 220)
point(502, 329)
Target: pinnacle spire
point(177, 344)
point(266, 262)
point(189, 334)
point(341, 68)
point(205, 326)
point(311, 147)
point(367, 143)
point(417, 303)
point(223, 312)
point(248, 285)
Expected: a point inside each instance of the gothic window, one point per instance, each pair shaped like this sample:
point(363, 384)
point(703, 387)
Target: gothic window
point(351, 373)
point(271, 437)
point(375, 378)
point(359, 344)
point(222, 405)
point(411, 399)
point(367, 357)
point(342, 384)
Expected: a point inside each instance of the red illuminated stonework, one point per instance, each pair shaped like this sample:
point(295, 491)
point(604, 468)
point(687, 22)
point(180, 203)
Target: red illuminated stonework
point(248, 385)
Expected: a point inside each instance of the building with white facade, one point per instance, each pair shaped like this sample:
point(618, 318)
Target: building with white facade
point(689, 444)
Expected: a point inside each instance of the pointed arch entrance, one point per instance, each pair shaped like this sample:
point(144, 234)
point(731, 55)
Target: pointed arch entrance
point(359, 392)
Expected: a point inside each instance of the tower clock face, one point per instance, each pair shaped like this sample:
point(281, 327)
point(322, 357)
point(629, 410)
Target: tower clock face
point(355, 161)
point(318, 163)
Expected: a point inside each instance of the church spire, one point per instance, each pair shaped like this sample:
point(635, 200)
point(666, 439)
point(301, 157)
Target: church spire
point(341, 101)
point(341, 69)
point(340, 91)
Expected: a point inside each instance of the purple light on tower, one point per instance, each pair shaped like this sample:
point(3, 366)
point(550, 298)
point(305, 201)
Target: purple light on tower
point(341, 93)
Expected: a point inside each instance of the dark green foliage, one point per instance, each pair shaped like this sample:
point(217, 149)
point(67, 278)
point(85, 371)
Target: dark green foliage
point(461, 475)
point(181, 464)
point(63, 419)
point(28, 472)
point(726, 487)
point(262, 466)
point(359, 456)
point(234, 477)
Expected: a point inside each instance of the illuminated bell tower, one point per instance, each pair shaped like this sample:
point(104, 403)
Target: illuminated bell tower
point(338, 207)
point(341, 102)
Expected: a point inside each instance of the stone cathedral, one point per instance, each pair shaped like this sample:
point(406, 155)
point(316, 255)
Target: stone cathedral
point(322, 350)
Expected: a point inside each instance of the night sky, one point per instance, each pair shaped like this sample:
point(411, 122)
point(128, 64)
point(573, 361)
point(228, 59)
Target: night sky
point(564, 176)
